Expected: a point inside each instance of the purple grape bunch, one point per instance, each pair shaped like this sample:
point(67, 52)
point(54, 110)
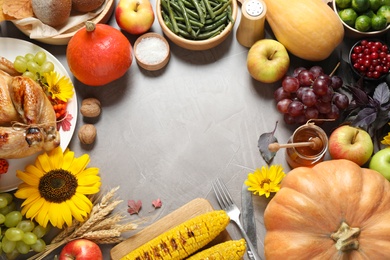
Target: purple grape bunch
point(310, 94)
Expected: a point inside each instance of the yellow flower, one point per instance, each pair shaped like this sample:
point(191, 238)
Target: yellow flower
point(265, 180)
point(386, 139)
point(55, 188)
point(59, 87)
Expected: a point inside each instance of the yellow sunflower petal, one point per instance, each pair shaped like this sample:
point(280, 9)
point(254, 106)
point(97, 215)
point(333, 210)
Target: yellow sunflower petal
point(24, 191)
point(68, 159)
point(89, 190)
point(28, 178)
point(76, 213)
point(66, 213)
point(43, 216)
point(44, 162)
point(82, 202)
point(34, 196)
point(37, 208)
point(56, 158)
point(34, 171)
point(87, 180)
point(89, 171)
point(79, 164)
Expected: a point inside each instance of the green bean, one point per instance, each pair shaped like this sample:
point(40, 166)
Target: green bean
point(223, 8)
point(209, 8)
point(216, 7)
point(189, 11)
point(172, 17)
point(211, 21)
point(229, 13)
point(185, 16)
point(185, 34)
point(193, 23)
point(207, 35)
point(167, 21)
point(214, 25)
point(188, 4)
point(199, 10)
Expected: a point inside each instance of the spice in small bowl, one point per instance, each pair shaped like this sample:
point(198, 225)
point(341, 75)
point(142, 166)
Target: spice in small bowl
point(151, 51)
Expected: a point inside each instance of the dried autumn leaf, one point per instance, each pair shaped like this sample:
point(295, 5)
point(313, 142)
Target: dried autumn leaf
point(17, 9)
point(264, 140)
point(134, 206)
point(157, 203)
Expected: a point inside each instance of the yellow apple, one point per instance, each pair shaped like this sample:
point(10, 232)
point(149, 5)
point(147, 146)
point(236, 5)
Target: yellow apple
point(268, 61)
point(134, 16)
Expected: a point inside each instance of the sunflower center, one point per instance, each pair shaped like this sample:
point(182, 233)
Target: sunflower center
point(55, 89)
point(58, 186)
point(265, 181)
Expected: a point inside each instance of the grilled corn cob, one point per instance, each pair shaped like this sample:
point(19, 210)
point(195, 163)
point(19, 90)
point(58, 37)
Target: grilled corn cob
point(230, 250)
point(184, 239)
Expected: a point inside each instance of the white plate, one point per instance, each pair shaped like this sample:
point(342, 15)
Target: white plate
point(10, 48)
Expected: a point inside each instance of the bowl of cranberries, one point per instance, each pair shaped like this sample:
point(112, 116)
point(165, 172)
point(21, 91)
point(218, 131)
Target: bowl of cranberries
point(370, 59)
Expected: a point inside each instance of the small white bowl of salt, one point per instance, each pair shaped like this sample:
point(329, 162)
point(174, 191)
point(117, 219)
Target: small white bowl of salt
point(151, 51)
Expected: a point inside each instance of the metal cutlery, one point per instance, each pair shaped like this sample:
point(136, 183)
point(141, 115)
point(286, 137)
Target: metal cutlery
point(247, 215)
point(226, 202)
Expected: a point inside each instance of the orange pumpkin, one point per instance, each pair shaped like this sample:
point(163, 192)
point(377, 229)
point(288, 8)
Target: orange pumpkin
point(335, 210)
point(98, 54)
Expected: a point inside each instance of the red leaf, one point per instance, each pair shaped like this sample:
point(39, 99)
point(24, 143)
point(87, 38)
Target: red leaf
point(157, 203)
point(134, 207)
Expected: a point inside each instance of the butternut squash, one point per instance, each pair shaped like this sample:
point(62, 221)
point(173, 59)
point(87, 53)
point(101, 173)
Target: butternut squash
point(309, 29)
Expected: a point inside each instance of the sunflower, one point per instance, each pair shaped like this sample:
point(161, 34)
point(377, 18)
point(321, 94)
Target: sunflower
point(55, 188)
point(386, 139)
point(59, 87)
point(265, 180)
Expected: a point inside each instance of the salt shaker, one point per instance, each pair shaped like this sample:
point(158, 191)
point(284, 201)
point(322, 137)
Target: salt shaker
point(251, 28)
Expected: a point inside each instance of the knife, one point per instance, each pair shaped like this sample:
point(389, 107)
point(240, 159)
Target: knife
point(247, 215)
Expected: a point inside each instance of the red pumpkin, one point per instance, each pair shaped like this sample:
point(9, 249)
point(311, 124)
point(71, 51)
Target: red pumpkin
point(335, 210)
point(99, 54)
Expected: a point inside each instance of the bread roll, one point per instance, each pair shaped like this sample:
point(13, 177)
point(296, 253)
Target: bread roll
point(52, 12)
point(85, 6)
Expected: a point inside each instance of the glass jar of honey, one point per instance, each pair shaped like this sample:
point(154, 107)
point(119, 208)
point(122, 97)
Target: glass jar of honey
point(307, 156)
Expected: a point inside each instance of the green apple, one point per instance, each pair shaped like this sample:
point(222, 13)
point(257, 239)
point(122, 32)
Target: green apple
point(267, 61)
point(380, 162)
point(351, 143)
point(134, 16)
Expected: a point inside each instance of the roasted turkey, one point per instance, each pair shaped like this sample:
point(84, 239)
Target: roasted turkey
point(27, 118)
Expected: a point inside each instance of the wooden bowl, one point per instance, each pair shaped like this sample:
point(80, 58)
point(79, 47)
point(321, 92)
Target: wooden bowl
point(63, 38)
point(149, 49)
point(196, 45)
point(353, 33)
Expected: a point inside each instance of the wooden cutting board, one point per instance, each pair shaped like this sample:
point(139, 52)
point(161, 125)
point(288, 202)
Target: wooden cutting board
point(193, 208)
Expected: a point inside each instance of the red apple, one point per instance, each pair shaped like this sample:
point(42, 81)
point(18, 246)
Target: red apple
point(134, 16)
point(81, 249)
point(268, 60)
point(351, 143)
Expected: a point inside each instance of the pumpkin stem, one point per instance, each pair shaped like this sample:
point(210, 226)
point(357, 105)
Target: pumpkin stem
point(346, 237)
point(90, 26)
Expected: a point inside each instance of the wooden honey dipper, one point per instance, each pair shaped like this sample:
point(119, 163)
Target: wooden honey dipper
point(315, 143)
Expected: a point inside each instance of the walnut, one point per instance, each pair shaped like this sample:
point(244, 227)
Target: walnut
point(90, 107)
point(87, 134)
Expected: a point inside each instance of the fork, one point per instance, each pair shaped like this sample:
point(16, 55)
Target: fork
point(226, 202)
